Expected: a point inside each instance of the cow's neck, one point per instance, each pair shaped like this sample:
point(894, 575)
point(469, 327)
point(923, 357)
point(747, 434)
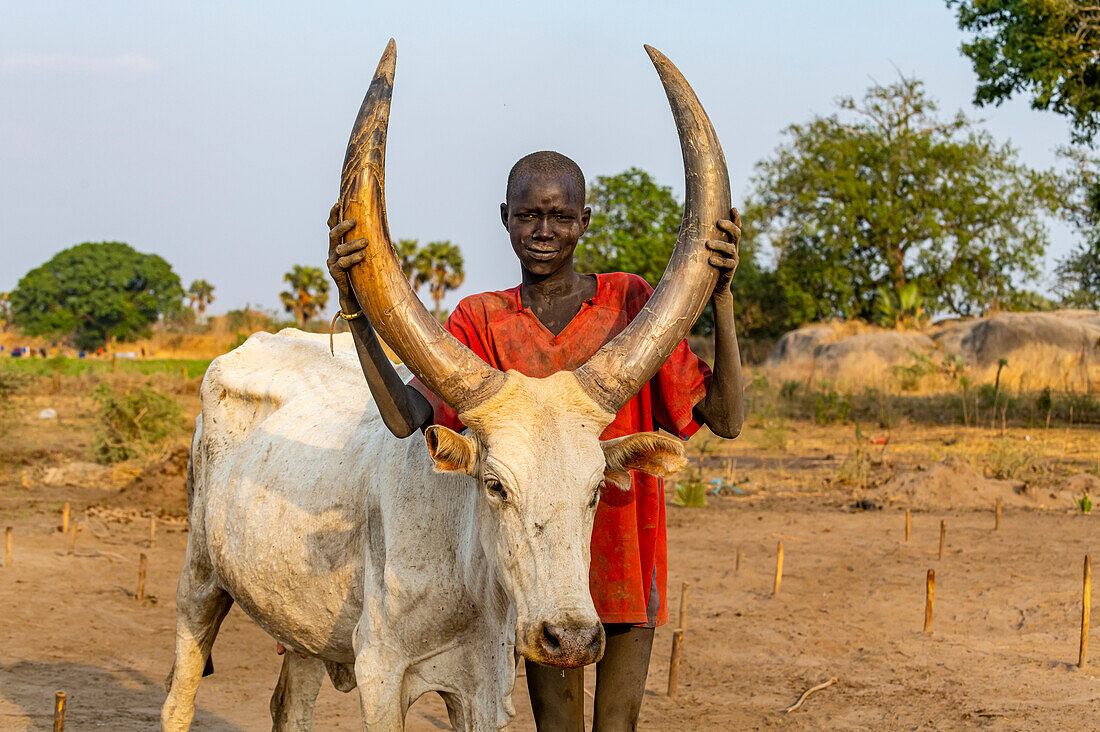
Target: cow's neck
point(479, 569)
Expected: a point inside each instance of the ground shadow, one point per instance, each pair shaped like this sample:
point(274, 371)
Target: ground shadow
point(108, 698)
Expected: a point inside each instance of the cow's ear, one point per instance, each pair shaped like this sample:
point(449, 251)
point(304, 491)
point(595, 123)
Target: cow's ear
point(648, 452)
point(451, 451)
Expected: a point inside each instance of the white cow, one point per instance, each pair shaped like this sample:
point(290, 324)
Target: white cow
point(407, 566)
point(346, 544)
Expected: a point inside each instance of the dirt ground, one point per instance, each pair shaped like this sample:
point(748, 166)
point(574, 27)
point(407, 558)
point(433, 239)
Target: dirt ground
point(1001, 654)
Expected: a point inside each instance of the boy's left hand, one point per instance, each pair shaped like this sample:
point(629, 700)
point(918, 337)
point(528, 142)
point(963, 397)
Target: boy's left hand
point(724, 253)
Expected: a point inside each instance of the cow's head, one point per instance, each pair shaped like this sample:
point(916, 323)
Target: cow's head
point(533, 444)
point(535, 451)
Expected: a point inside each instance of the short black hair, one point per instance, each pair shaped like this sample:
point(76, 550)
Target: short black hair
point(545, 162)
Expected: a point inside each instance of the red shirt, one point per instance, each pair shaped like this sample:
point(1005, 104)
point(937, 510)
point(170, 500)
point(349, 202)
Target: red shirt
point(629, 569)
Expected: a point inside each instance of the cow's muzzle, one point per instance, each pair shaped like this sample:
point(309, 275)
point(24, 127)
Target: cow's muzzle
point(565, 646)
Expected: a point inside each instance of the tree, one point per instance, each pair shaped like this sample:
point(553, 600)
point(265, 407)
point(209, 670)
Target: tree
point(200, 294)
point(891, 194)
point(1078, 274)
point(635, 222)
point(1050, 49)
point(96, 291)
point(308, 293)
point(634, 226)
point(1047, 48)
point(408, 254)
point(439, 265)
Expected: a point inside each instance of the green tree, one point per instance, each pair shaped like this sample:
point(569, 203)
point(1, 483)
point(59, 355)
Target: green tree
point(200, 294)
point(634, 226)
point(1078, 274)
point(635, 222)
point(440, 266)
point(890, 194)
point(1049, 49)
point(308, 293)
point(95, 291)
point(407, 251)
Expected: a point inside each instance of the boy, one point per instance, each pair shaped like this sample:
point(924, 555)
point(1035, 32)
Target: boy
point(553, 321)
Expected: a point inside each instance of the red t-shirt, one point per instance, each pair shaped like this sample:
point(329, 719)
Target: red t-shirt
point(629, 569)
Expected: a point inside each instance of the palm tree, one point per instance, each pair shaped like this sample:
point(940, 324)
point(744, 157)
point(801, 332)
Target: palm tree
point(440, 264)
point(200, 294)
point(308, 293)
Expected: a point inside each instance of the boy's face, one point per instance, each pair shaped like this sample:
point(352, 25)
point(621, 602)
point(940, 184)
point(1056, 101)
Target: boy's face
point(545, 217)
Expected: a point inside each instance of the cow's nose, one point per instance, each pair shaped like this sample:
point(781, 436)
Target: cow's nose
point(572, 646)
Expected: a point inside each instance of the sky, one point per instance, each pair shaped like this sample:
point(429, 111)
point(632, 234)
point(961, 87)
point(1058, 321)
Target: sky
point(212, 133)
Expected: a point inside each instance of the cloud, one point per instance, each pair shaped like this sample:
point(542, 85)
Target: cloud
point(123, 64)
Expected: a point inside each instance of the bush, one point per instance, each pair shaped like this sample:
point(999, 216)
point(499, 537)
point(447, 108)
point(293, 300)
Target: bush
point(830, 406)
point(692, 493)
point(131, 422)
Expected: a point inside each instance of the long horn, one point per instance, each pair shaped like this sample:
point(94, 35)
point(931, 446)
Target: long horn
point(618, 371)
point(445, 365)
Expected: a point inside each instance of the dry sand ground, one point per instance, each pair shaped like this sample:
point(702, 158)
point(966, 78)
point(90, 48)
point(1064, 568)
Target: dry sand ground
point(1001, 653)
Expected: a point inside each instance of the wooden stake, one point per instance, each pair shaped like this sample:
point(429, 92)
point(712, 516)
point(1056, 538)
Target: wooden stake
point(943, 536)
point(7, 547)
point(778, 567)
point(683, 606)
point(737, 562)
point(997, 515)
point(65, 519)
point(678, 642)
point(1086, 602)
point(674, 662)
point(72, 537)
point(152, 531)
point(929, 598)
point(908, 525)
point(59, 712)
point(142, 565)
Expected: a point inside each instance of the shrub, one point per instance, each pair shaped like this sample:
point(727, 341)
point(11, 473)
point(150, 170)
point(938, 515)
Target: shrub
point(131, 422)
point(692, 493)
point(830, 406)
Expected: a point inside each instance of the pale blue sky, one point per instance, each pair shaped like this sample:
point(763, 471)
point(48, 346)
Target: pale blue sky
point(212, 133)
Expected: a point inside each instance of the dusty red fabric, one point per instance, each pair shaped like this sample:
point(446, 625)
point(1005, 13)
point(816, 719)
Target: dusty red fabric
point(629, 550)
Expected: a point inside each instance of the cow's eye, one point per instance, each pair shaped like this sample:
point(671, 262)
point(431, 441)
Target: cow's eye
point(496, 489)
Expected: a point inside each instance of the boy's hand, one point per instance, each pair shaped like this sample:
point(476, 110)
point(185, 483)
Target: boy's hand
point(342, 256)
point(725, 257)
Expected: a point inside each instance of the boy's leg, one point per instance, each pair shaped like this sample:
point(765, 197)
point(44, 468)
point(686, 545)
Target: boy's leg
point(557, 697)
point(620, 677)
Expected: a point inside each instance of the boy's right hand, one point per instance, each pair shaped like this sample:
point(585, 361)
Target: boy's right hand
point(342, 256)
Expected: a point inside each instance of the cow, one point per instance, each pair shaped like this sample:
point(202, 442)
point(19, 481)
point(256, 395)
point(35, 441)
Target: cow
point(402, 566)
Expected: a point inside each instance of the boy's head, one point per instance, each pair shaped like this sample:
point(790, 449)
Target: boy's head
point(544, 211)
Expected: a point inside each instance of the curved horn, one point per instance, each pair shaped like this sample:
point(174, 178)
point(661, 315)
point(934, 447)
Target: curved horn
point(445, 365)
point(618, 371)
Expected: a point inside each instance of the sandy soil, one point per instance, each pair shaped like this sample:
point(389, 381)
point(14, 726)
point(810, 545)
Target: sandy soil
point(1001, 654)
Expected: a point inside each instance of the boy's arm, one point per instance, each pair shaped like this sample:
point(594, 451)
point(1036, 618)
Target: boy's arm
point(403, 408)
point(722, 409)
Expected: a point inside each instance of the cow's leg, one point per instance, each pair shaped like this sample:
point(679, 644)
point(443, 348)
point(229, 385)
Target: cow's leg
point(294, 697)
point(200, 609)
